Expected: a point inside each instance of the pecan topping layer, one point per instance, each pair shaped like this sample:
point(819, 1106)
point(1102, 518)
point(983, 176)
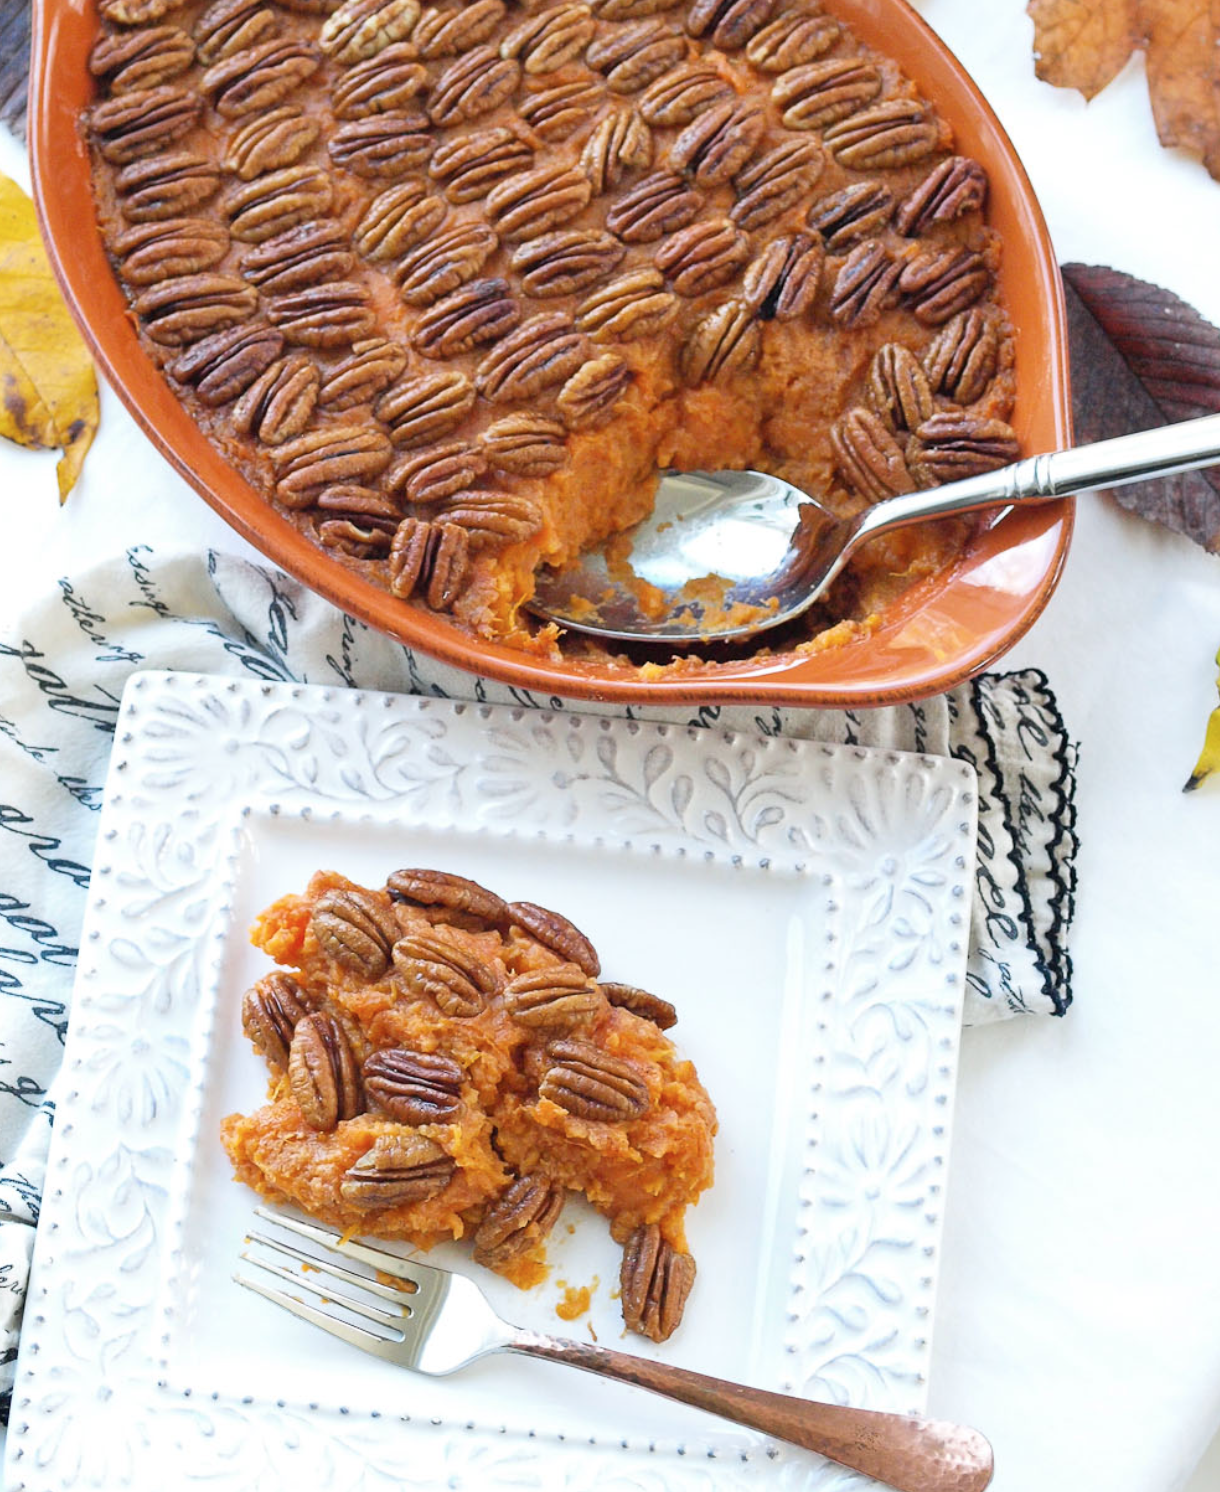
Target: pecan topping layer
point(414, 1087)
point(397, 1169)
point(323, 1072)
point(655, 1281)
point(591, 1084)
point(518, 1220)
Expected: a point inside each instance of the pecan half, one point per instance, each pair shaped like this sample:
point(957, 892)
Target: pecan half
point(356, 930)
point(939, 283)
point(558, 110)
point(360, 29)
point(323, 1072)
point(866, 285)
point(728, 24)
point(867, 456)
point(360, 504)
point(436, 472)
point(382, 145)
point(445, 262)
point(269, 1015)
point(679, 96)
point(714, 147)
point(775, 181)
point(270, 142)
point(476, 84)
point(143, 121)
point(479, 313)
point(141, 59)
point(280, 403)
point(444, 33)
point(954, 187)
point(361, 538)
point(555, 932)
point(655, 1282)
point(782, 283)
point(272, 204)
point(224, 365)
point(165, 186)
point(425, 407)
point(163, 249)
point(397, 1169)
point(493, 520)
point(396, 220)
point(304, 256)
point(543, 351)
point(963, 358)
point(188, 307)
point(526, 445)
point(795, 37)
point(707, 254)
point(471, 163)
point(552, 999)
point(548, 39)
point(857, 212)
point(898, 388)
point(621, 142)
point(136, 12)
point(436, 970)
point(533, 202)
point(636, 54)
point(257, 78)
point(518, 1220)
point(368, 370)
point(956, 444)
point(322, 458)
point(895, 132)
point(725, 342)
point(438, 888)
point(386, 83)
point(630, 10)
point(414, 1087)
point(231, 26)
point(591, 1084)
point(817, 94)
point(661, 203)
point(640, 1002)
point(332, 315)
point(435, 556)
point(635, 305)
point(565, 262)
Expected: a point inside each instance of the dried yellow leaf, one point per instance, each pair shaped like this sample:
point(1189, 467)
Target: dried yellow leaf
point(48, 391)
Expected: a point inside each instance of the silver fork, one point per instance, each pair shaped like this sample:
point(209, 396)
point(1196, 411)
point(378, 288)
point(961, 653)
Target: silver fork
point(445, 1322)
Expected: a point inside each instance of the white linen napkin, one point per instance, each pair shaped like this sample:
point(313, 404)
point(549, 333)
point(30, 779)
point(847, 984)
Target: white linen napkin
point(61, 679)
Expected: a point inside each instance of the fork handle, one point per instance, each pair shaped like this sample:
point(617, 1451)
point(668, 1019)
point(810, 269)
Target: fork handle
point(913, 1455)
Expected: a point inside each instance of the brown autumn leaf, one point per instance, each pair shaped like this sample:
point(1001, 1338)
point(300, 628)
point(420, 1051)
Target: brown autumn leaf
point(1142, 357)
point(1084, 43)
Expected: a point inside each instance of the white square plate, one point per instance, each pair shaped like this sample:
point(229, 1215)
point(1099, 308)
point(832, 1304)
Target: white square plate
point(805, 907)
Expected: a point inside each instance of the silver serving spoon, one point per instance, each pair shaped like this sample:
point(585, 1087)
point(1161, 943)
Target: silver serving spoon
point(716, 541)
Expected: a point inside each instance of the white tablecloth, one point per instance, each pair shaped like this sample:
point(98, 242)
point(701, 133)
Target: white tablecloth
point(1079, 1314)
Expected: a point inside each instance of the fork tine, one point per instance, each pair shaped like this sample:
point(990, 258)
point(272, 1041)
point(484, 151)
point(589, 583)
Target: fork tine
point(415, 1274)
point(368, 1341)
point(387, 1292)
point(335, 1297)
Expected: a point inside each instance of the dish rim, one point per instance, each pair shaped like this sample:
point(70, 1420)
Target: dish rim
point(924, 652)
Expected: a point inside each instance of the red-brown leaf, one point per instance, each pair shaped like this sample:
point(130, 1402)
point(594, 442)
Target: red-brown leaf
point(1142, 357)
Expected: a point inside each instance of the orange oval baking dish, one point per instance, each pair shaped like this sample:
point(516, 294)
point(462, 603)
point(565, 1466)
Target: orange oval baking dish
point(943, 630)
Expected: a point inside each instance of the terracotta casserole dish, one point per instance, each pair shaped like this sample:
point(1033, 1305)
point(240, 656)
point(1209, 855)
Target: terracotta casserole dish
point(941, 631)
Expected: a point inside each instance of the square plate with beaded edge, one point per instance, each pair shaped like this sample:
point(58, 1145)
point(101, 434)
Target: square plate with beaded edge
point(806, 907)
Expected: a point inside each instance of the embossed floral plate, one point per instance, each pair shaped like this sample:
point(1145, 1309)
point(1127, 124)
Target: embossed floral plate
point(806, 908)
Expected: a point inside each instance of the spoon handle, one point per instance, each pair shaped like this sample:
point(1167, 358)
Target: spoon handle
point(1108, 463)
